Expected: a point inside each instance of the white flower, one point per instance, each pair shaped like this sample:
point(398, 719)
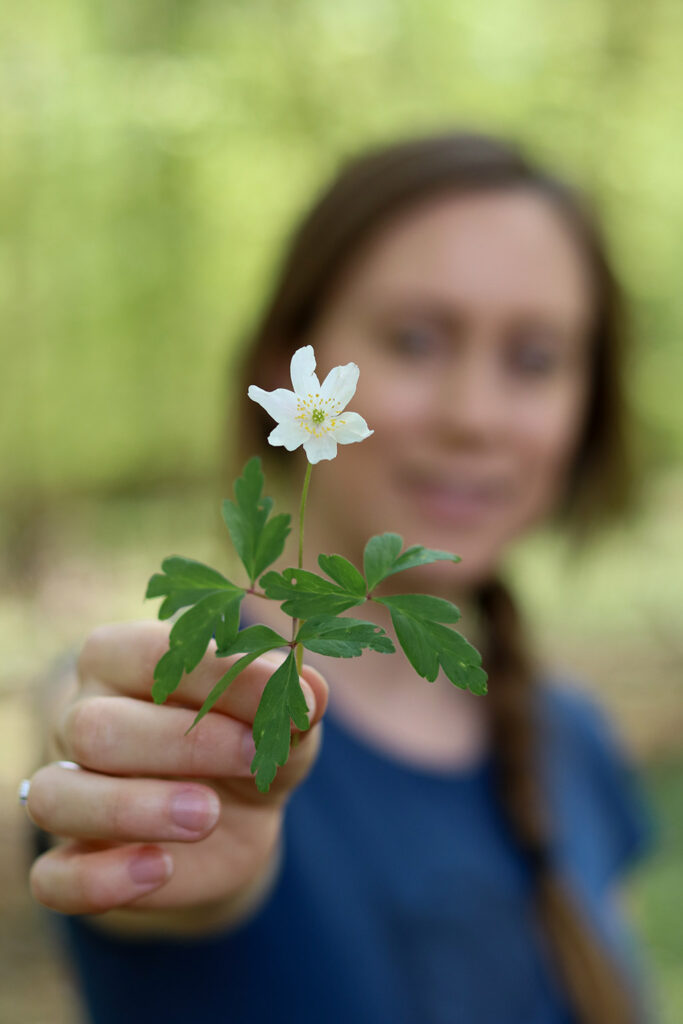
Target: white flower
point(311, 414)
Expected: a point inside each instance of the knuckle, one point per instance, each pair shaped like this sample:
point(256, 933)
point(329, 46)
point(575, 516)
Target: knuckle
point(154, 644)
point(88, 730)
point(201, 745)
point(89, 653)
point(121, 814)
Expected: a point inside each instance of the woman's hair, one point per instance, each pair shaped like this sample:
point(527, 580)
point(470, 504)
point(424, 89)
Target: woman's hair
point(368, 192)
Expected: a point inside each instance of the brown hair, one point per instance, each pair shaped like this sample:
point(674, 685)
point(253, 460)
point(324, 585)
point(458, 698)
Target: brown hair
point(369, 191)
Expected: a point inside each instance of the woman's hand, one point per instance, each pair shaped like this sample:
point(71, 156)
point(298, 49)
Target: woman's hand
point(154, 820)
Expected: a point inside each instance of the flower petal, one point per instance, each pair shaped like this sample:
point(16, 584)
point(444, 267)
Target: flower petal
point(302, 367)
point(318, 448)
point(339, 386)
point(280, 404)
point(354, 428)
point(288, 434)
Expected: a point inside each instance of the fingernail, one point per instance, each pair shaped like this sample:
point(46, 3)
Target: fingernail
point(195, 811)
point(150, 868)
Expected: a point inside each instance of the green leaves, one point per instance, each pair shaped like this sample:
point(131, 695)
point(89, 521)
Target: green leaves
point(184, 582)
point(252, 643)
point(382, 557)
point(258, 539)
point(216, 608)
point(417, 619)
point(422, 622)
point(344, 573)
point(304, 593)
point(253, 638)
point(342, 637)
point(282, 701)
point(380, 554)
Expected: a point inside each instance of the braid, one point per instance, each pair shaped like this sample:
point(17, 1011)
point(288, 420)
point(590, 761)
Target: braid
point(598, 991)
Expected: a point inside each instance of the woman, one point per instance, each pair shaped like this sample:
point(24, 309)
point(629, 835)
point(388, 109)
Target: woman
point(438, 857)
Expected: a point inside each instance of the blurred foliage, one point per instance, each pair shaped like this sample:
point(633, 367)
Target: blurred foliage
point(655, 892)
point(155, 155)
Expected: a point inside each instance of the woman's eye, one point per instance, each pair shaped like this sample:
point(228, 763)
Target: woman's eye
point(533, 359)
point(414, 341)
point(535, 352)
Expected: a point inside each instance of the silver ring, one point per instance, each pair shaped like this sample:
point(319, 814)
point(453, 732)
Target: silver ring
point(22, 792)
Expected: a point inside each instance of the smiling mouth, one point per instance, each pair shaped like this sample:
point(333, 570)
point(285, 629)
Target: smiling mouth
point(454, 502)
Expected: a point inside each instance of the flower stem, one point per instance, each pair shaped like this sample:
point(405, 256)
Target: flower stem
point(302, 512)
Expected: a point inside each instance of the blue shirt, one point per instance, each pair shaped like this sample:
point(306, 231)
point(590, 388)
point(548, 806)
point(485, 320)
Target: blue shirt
point(401, 899)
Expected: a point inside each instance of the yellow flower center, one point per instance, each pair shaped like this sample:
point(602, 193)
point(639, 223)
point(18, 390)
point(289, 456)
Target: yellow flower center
point(317, 415)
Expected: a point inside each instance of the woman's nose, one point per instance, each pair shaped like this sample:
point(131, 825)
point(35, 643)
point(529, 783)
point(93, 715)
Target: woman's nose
point(470, 400)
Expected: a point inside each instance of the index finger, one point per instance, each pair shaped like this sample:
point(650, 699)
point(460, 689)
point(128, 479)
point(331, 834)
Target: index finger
point(124, 655)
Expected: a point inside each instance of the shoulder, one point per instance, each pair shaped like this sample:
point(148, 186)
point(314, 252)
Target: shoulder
point(571, 715)
point(593, 774)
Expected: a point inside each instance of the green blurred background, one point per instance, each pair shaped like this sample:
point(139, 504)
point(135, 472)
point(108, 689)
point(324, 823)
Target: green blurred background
point(154, 157)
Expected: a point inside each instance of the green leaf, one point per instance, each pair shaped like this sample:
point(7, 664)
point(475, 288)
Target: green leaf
point(423, 606)
point(253, 642)
point(223, 683)
point(342, 637)
point(344, 573)
point(217, 613)
point(253, 638)
point(305, 594)
point(282, 702)
point(167, 675)
point(185, 582)
point(379, 556)
point(417, 555)
point(382, 557)
point(427, 644)
point(258, 539)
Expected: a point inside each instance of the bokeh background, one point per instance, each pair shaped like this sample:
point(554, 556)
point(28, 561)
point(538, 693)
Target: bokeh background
point(154, 155)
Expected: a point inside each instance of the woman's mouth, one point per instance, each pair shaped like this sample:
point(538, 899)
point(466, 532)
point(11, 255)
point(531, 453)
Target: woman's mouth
point(455, 502)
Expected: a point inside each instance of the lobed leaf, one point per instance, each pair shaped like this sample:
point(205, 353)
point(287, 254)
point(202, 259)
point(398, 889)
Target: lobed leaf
point(428, 645)
point(382, 557)
point(379, 556)
point(222, 685)
point(342, 637)
point(184, 582)
point(305, 594)
point(419, 555)
point(252, 642)
point(258, 539)
point(344, 573)
point(215, 614)
point(167, 675)
point(253, 638)
point(281, 703)
point(423, 606)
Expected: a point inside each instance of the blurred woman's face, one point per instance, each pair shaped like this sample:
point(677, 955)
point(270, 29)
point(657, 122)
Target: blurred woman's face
point(470, 319)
